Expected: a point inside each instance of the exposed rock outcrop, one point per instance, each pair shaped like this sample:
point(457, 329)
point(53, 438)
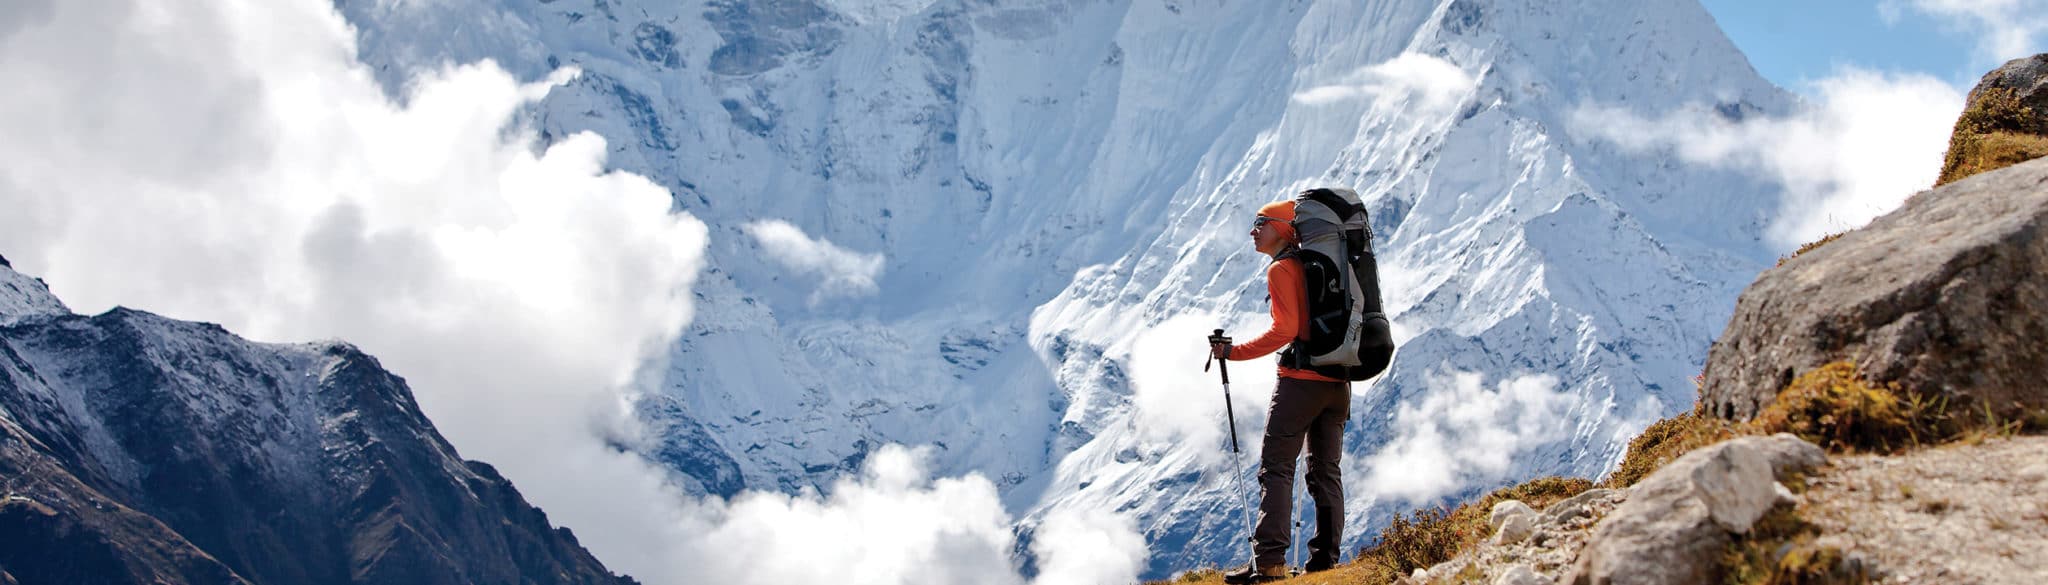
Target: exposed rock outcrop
point(1677, 522)
point(1944, 296)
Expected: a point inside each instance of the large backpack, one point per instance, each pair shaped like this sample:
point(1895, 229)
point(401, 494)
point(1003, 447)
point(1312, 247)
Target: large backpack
point(1347, 337)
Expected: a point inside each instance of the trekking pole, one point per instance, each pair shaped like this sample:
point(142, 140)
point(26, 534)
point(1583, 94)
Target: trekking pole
point(1230, 413)
point(1300, 495)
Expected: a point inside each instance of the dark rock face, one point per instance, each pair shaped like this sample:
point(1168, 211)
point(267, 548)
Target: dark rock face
point(56, 529)
point(689, 449)
point(139, 449)
point(1946, 296)
point(656, 45)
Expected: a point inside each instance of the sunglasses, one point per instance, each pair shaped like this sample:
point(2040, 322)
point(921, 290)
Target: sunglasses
point(1261, 221)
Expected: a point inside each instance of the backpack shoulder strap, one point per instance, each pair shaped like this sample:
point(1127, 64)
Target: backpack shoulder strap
point(1291, 251)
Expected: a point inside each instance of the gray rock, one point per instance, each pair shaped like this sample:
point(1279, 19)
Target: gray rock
point(1575, 506)
point(1520, 575)
point(1943, 296)
point(2036, 472)
point(1677, 521)
point(1439, 569)
point(1515, 528)
point(1787, 453)
point(1505, 509)
point(1785, 495)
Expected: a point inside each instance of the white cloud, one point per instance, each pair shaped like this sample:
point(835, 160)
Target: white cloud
point(844, 273)
point(1462, 434)
point(895, 525)
point(891, 526)
point(1087, 547)
point(232, 162)
point(1867, 142)
point(2003, 29)
point(1431, 83)
point(1176, 400)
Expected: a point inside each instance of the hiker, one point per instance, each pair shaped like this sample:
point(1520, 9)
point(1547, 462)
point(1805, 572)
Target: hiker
point(1306, 406)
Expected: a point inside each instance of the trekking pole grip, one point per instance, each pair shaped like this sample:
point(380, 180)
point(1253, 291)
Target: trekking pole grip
point(1221, 363)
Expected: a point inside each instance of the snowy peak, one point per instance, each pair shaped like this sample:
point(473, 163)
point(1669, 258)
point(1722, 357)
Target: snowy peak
point(23, 296)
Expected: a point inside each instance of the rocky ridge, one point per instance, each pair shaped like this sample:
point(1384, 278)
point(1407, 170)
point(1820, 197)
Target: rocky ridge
point(140, 449)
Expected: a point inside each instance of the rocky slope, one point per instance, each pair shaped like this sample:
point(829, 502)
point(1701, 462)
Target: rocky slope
point(1955, 514)
point(1959, 513)
point(140, 449)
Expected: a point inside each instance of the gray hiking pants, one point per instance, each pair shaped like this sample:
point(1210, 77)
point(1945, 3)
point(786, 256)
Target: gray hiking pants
point(1315, 412)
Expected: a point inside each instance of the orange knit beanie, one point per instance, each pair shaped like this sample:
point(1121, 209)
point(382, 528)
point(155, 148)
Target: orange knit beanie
point(1283, 211)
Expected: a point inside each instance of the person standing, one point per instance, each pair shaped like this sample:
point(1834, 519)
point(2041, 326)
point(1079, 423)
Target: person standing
point(1307, 407)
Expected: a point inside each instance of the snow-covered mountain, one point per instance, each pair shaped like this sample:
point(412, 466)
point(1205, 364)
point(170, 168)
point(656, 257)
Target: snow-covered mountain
point(1048, 183)
point(140, 449)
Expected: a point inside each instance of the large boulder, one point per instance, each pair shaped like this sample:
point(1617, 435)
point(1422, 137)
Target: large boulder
point(1677, 522)
point(1945, 296)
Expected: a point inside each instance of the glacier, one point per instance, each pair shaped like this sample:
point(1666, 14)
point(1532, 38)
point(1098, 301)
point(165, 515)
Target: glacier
point(1059, 189)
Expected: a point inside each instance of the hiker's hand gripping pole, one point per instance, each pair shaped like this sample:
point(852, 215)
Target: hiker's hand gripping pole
point(1223, 366)
point(1236, 461)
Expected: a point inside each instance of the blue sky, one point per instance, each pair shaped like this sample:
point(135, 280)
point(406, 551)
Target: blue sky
point(1795, 42)
point(1882, 82)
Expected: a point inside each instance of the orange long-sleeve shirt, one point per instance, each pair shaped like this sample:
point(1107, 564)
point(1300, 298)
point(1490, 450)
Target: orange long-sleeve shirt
point(1290, 316)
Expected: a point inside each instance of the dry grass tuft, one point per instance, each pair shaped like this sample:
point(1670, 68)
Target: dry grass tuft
point(1995, 132)
point(1810, 246)
point(1433, 536)
point(1667, 439)
point(1835, 409)
point(1780, 550)
point(1993, 151)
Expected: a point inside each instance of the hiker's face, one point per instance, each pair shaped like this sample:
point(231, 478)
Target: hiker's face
point(1265, 236)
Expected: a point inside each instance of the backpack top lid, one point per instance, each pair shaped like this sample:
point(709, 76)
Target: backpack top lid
point(1324, 212)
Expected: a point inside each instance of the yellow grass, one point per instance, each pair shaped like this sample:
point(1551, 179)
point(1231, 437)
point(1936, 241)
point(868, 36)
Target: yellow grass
point(1424, 537)
point(1995, 132)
